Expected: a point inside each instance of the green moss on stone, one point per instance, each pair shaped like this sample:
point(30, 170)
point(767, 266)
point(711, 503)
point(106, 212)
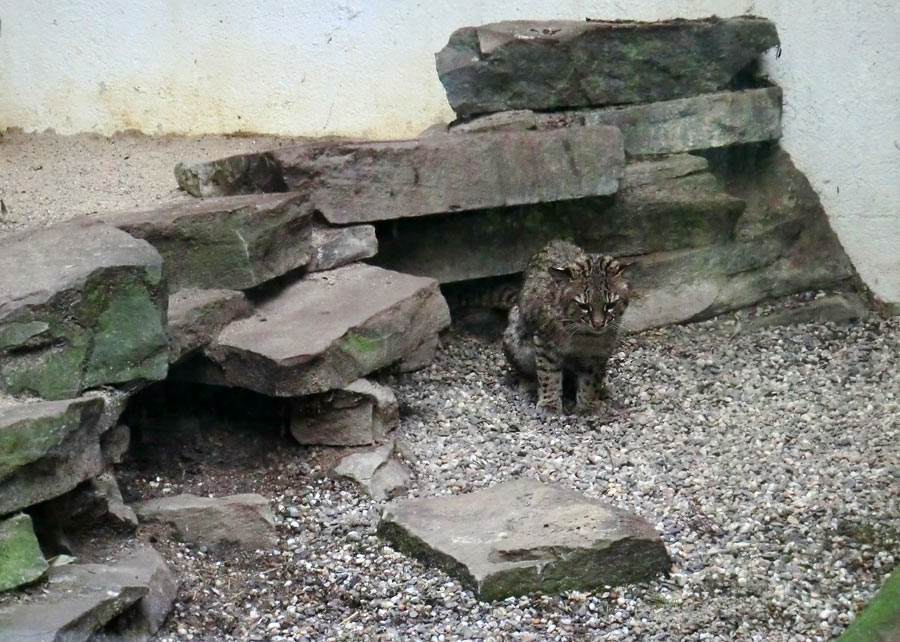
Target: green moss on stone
point(880, 621)
point(15, 334)
point(21, 561)
point(28, 440)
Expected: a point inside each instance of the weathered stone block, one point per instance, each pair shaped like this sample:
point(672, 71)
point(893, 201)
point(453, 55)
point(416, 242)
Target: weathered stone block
point(197, 316)
point(359, 414)
point(561, 63)
point(663, 204)
point(360, 182)
point(377, 471)
point(333, 247)
point(21, 560)
point(521, 537)
point(81, 305)
point(324, 332)
point(236, 242)
point(246, 520)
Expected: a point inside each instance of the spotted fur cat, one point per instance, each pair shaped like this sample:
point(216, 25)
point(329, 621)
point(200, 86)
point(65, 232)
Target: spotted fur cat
point(567, 320)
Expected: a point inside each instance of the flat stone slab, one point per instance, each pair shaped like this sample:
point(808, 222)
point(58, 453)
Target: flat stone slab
point(245, 520)
point(333, 247)
point(359, 414)
point(555, 64)
point(236, 242)
point(524, 536)
point(21, 560)
point(197, 316)
point(47, 448)
point(376, 471)
point(326, 331)
point(81, 305)
point(81, 600)
point(361, 182)
point(667, 203)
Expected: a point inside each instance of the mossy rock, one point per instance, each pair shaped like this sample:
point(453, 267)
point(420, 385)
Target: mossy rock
point(21, 560)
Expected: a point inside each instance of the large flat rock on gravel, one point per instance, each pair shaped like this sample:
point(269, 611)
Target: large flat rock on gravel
point(667, 203)
point(524, 536)
point(236, 242)
point(21, 560)
point(360, 182)
point(565, 63)
point(47, 448)
point(81, 305)
point(245, 520)
point(326, 331)
point(124, 600)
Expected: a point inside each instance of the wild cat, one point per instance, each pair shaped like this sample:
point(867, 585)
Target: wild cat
point(567, 321)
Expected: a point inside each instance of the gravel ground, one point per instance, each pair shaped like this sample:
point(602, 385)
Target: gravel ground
point(768, 461)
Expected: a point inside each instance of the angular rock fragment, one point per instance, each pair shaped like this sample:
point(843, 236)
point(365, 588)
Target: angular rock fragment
point(245, 520)
point(236, 243)
point(97, 499)
point(81, 305)
point(47, 448)
point(377, 471)
point(663, 204)
point(359, 414)
point(333, 247)
point(21, 560)
point(519, 119)
point(360, 182)
point(835, 308)
point(562, 64)
point(521, 537)
point(114, 444)
point(325, 332)
point(124, 600)
point(197, 316)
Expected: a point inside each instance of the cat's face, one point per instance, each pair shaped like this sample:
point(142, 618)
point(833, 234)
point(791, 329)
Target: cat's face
point(594, 293)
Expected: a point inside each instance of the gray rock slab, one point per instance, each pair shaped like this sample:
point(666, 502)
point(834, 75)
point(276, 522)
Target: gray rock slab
point(47, 448)
point(81, 305)
point(234, 243)
point(197, 316)
point(326, 331)
point(333, 247)
point(245, 520)
point(377, 471)
point(524, 536)
point(361, 182)
point(835, 308)
point(664, 204)
point(359, 414)
point(125, 600)
point(97, 499)
point(114, 444)
point(21, 560)
point(557, 64)
point(516, 120)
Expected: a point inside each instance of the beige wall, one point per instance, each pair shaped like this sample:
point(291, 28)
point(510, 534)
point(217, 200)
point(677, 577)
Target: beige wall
point(366, 68)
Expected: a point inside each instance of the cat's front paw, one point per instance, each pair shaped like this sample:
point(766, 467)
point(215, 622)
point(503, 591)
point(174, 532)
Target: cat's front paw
point(549, 408)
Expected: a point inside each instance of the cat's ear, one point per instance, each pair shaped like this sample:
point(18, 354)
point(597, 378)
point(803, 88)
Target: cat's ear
point(562, 273)
point(612, 267)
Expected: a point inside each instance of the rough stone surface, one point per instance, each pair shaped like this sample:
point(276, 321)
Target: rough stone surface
point(325, 332)
point(236, 242)
point(114, 444)
point(245, 520)
point(100, 498)
point(663, 204)
point(360, 182)
point(379, 474)
point(561, 63)
point(835, 308)
point(81, 305)
point(518, 119)
point(333, 247)
point(360, 414)
point(124, 600)
point(47, 448)
point(197, 316)
point(21, 560)
point(524, 536)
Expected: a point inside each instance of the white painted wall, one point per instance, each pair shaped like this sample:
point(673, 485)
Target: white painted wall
point(366, 68)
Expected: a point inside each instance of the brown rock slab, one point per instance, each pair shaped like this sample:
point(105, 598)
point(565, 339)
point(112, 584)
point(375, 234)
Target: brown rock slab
point(361, 182)
point(359, 414)
point(333, 247)
point(197, 316)
point(125, 600)
point(527, 64)
point(326, 331)
point(376, 471)
point(524, 536)
point(21, 560)
point(81, 305)
point(236, 242)
point(245, 520)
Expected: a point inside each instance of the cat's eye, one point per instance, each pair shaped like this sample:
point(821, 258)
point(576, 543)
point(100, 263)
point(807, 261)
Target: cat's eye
point(609, 307)
point(585, 308)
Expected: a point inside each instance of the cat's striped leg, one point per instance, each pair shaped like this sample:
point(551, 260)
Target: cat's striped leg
point(591, 388)
point(549, 377)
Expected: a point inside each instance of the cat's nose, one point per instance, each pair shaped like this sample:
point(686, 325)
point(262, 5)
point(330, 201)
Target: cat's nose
point(598, 319)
